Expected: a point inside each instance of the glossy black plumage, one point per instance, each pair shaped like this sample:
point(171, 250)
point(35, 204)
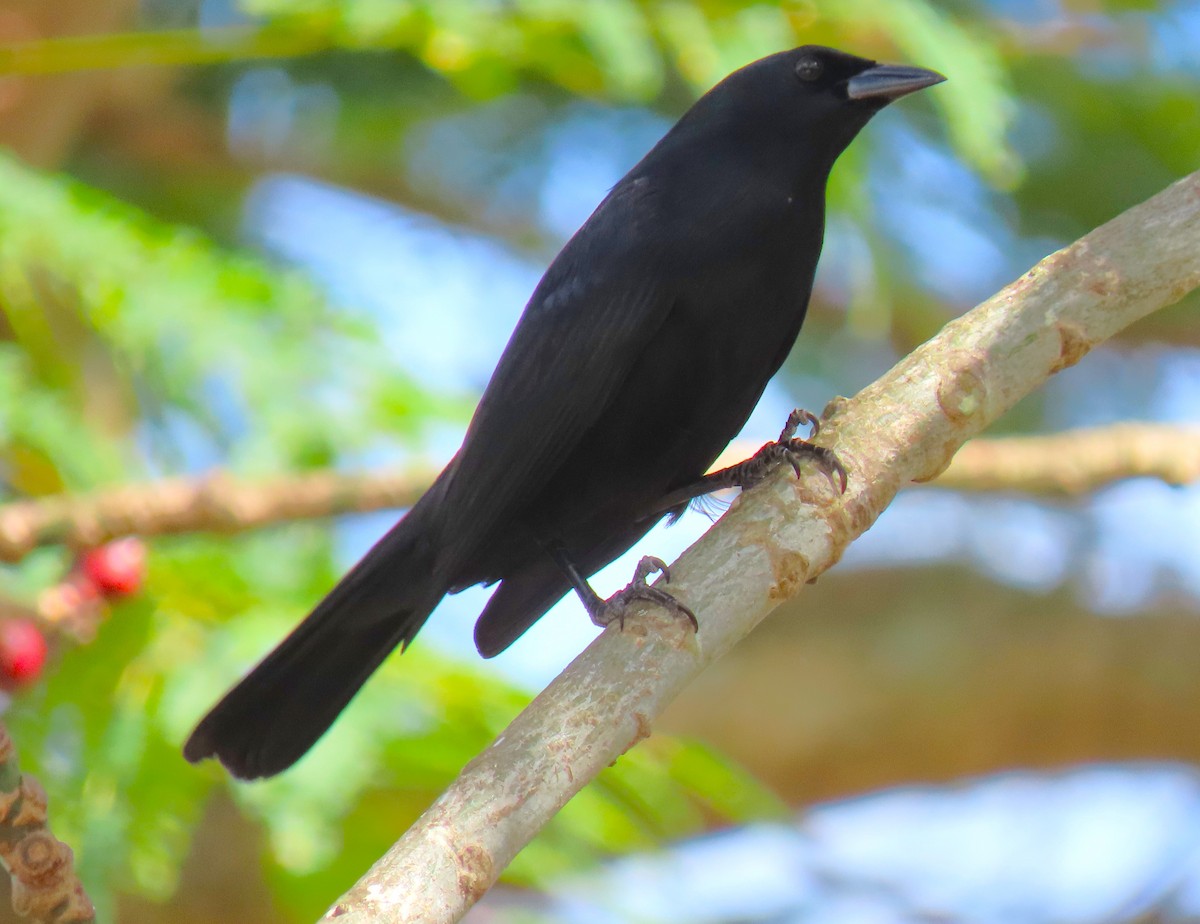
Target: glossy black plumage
point(639, 356)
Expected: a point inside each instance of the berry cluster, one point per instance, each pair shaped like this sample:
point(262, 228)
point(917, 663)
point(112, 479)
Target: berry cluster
point(74, 606)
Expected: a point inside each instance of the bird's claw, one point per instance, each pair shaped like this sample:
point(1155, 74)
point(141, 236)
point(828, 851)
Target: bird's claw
point(793, 450)
point(605, 612)
point(826, 460)
point(647, 566)
point(797, 417)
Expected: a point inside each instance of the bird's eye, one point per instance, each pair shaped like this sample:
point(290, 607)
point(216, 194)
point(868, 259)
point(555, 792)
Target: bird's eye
point(809, 68)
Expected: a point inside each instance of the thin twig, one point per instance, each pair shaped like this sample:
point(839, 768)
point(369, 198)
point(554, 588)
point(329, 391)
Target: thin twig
point(905, 427)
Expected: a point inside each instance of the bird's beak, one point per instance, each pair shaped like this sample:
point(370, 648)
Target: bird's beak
point(887, 82)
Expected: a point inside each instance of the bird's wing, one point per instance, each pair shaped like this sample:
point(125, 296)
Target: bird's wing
point(580, 335)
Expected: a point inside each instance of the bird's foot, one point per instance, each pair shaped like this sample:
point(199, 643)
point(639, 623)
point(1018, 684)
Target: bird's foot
point(788, 448)
point(605, 612)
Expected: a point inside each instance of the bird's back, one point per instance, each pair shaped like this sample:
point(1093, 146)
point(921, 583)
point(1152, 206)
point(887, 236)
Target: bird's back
point(718, 261)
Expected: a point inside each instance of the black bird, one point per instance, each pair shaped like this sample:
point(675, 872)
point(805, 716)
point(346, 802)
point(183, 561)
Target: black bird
point(640, 355)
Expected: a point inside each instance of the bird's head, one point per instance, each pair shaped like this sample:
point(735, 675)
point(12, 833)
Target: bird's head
point(831, 80)
point(810, 101)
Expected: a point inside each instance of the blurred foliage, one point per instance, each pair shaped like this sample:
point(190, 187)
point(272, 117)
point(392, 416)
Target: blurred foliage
point(139, 336)
point(623, 50)
point(158, 339)
point(167, 336)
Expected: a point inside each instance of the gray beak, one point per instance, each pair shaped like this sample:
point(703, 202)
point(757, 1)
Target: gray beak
point(886, 82)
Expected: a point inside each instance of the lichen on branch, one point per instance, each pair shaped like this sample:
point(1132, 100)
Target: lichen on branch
point(45, 888)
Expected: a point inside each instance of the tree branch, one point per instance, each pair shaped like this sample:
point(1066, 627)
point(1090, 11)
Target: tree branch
point(216, 503)
point(905, 427)
point(1076, 461)
point(1069, 463)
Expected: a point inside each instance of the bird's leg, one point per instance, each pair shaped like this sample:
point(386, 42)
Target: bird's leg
point(605, 612)
point(753, 470)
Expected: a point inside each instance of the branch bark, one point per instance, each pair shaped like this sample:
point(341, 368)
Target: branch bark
point(904, 427)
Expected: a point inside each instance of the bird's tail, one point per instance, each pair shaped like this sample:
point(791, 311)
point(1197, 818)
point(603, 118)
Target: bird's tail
point(277, 712)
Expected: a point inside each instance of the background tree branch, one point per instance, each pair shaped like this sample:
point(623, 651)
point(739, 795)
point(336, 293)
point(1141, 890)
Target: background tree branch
point(1069, 463)
point(857, 698)
point(213, 503)
point(1076, 461)
point(904, 427)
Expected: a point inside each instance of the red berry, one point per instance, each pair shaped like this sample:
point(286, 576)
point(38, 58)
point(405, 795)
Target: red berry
point(117, 568)
point(22, 652)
